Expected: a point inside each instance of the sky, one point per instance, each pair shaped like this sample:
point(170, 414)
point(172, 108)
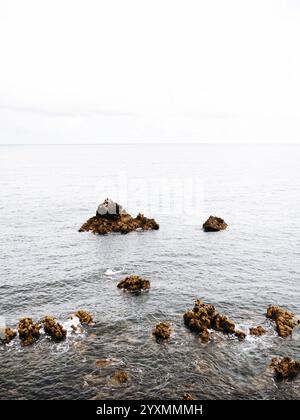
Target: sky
point(99, 71)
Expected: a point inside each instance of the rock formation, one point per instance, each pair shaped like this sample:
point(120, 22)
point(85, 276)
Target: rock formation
point(28, 331)
point(285, 321)
point(120, 377)
point(111, 217)
point(186, 396)
point(162, 330)
point(285, 367)
point(134, 284)
point(214, 224)
point(84, 317)
point(54, 328)
point(259, 330)
point(7, 336)
point(240, 334)
point(204, 316)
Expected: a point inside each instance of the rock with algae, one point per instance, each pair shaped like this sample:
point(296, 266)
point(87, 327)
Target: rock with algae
point(28, 331)
point(7, 335)
point(259, 330)
point(285, 367)
point(162, 330)
point(134, 284)
point(214, 224)
point(285, 321)
point(54, 328)
point(111, 217)
point(84, 317)
point(204, 317)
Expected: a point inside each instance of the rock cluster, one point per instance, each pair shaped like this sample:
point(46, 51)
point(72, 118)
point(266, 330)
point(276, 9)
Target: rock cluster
point(7, 336)
point(214, 224)
point(162, 330)
point(204, 316)
point(111, 217)
point(134, 284)
point(28, 331)
point(285, 367)
point(285, 321)
point(54, 328)
point(84, 317)
point(259, 330)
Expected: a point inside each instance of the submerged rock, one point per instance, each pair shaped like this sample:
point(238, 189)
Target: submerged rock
point(84, 317)
point(7, 335)
point(28, 331)
point(204, 316)
point(186, 396)
point(214, 224)
point(111, 217)
point(259, 330)
point(240, 334)
point(134, 284)
point(285, 368)
point(120, 377)
point(285, 321)
point(162, 330)
point(54, 328)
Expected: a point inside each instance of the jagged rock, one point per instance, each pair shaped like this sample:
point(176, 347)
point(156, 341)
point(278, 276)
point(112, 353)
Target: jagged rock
point(111, 217)
point(120, 377)
point(134, 284)
point(162, 330)
point(54, 328)
point(285, 320)
point(187, 396)
point(7, 335)
point(84, 317)
point(28, 331)
point(214, 224)
point(204, 316)
point(259, 330)
point(240, 335)
point(285, 368)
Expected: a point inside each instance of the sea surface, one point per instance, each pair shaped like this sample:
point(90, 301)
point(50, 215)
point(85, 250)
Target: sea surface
point(48, 268)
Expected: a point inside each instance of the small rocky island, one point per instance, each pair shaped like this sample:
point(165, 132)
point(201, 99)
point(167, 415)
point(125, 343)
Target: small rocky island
point(214, 224)
point(111, 217)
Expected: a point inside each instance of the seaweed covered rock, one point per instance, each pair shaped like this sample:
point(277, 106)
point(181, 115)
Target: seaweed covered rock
point(7, 335)
point(111, 217)
point(285, 321)
point(162, 330)
point(214, 224)
point(84, 317)
point(120, 377)
point(54, 328)
point(204, 317)
point(285, 367)
point(134, 284)
point(28, 331)
point(240, 334)
point(259, 330)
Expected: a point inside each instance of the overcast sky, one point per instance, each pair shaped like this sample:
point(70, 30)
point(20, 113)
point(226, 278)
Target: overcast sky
point(141, 71)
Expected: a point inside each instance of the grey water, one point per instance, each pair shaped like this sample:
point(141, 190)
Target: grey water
point(48, 268)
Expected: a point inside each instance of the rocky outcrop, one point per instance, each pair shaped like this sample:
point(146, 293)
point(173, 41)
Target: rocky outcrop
point(54, 328)
point(285, 321)
point(214, 224)
point(240, 335)
point(7, 336)
point(120, 377)
point(186, 396)
point(259, 330)
point(134, 284)
point(111, 217)
point(84, 317)
point(285, 367)
point(162, 330)
point(28, 331)
point(204, 317)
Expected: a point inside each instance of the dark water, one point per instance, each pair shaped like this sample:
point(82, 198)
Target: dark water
point(47, 267)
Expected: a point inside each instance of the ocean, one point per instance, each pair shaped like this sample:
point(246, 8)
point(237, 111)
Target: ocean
point(48, 268)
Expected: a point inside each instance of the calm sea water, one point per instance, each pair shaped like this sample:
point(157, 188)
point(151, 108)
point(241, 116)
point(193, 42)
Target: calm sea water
point(47, 267)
